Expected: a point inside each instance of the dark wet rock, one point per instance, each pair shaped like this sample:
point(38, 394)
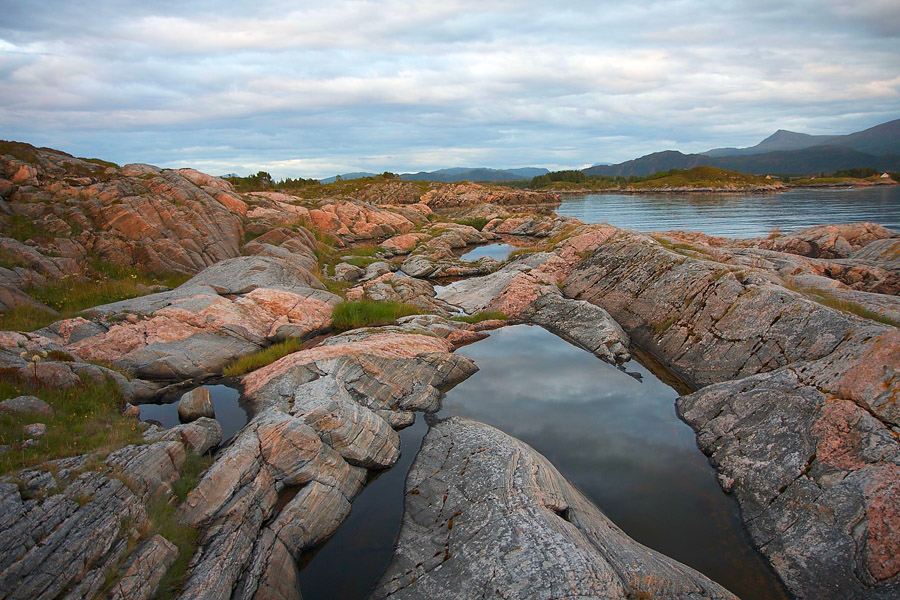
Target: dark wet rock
point(195, 404)
point(486, 516)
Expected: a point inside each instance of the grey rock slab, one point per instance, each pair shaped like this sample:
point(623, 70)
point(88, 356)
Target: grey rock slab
point(486, 516)
point(475, 294)
point(26, 404)
point(581, 323)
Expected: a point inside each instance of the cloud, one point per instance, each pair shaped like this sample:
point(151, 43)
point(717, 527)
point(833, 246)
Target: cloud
point(311, 88)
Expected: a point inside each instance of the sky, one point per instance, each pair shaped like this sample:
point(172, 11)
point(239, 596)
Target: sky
point(312, 89)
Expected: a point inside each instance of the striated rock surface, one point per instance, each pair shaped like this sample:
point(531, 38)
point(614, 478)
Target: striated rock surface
point(69, 527)
point(486, 516)
point(162, 220)
point(436, 257)
point(798, 410)
point(324, 416)
point(231, 309)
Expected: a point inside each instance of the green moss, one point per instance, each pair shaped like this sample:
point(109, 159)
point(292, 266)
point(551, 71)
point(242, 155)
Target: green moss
point(368, 313)
point(87, 417)
point(21, 228)
point(8, 260)
point(263, 357)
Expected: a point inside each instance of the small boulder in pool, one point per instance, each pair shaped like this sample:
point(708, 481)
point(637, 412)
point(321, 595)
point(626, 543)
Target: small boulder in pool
point(195, 404)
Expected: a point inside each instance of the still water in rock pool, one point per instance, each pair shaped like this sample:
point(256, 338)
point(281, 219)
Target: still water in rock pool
point(496, 251)
point(226, 400)
point(616, 438)
point(620, 442)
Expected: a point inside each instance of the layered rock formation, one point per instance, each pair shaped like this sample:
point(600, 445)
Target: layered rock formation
point(229, 310)
point(325, 415)
point(486, 516)
point(803, 423)
point(166, 221)
point(73, 526)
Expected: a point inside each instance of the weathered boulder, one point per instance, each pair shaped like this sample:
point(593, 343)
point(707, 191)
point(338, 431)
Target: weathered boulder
point(26, 404)
point(486, 516)
point(436, 257)
point(195, 404)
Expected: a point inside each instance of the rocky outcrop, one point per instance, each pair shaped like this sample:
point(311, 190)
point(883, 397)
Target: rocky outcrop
point(71, 527)
point(486, 516)
point(325, 416)
point(231, 309)
point(451, 196)
point(138, 215)
point(798, 408)
point(817, 477)
point(437, 257)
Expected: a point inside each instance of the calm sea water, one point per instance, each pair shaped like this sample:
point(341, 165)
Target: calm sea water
point(738, 215)
point(619, 441)
point(495, 251)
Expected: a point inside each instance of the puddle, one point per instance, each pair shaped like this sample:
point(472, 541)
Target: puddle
point(618, 440)
point(226, 400)
point(349, 564)
point(498, 252)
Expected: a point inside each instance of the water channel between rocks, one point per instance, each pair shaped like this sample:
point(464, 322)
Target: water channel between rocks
point(226, 400)
point(614, 437)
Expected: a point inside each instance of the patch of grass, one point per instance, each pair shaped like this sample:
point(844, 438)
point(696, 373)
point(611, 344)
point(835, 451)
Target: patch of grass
point(27, 318)
point(263, 357)
point(359, 261)
point(86, 418)
point(193, 467)
point(368, 313)
point(20, 227)
point(162, 517)
point(482, 316)
point(476, 222)
point(8, 260)
point(825, 299)
point(102, 283)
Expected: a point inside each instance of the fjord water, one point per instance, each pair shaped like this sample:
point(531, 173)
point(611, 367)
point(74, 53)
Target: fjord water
point(741, 215)
point(619, 441)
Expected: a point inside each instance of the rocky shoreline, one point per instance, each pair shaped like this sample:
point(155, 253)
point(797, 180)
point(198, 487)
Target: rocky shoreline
point(791, 343)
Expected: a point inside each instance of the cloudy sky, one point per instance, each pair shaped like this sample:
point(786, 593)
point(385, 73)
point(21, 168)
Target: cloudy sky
point(317, 88)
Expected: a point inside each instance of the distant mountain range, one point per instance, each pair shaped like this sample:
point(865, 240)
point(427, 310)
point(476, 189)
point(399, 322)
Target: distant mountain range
point(784, 152)
point(456, 174)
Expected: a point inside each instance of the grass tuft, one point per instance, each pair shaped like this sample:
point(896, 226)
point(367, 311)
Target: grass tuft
point(482, 316)
point(476, 222)
point(263, 357)
point(86, 418)
point(162, 517)
point(825, 299)
point(369, 313)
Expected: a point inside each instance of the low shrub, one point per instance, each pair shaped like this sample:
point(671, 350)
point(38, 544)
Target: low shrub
point(476, 222)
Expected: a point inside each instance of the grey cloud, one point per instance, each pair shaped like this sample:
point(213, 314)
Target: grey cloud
point(405, 85)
